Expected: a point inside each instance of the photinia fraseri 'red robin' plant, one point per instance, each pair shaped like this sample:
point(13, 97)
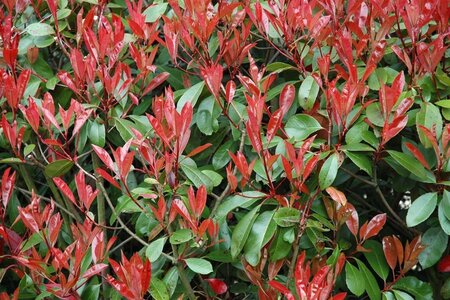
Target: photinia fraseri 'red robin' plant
point(230, 149)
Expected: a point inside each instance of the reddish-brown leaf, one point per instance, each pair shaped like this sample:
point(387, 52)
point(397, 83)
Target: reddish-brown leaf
point(218, 286)
point(337, 195)
point(390, 251)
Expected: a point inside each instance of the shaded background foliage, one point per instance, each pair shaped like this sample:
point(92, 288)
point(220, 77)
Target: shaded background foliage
point(239, 150)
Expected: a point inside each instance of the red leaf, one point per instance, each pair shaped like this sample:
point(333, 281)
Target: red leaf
point(418, 155)
point(353, 220)
point(282, 289)
point(230, 90)
point(286, 98)
point(108, 177)
point(444, 264)
point(213, 78)
point(219, 286)
point(340, 296)
point(7, 186)
point(390, 251)
point(337, 195)
point(94, 270)
point(274, 124)
point(199, 149)
point(155, 82)
point(104, 156)
point(63, 187)
point(374, 227)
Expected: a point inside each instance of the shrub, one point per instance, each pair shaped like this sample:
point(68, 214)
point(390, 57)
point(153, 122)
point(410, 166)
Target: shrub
point(240, 150)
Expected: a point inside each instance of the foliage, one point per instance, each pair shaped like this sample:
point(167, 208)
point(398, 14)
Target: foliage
point(224, 149)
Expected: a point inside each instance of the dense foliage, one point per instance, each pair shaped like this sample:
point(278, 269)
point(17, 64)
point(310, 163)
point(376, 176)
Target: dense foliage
point(238, 150)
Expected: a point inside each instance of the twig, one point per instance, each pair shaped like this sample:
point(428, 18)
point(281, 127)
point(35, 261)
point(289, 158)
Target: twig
point(388, 207)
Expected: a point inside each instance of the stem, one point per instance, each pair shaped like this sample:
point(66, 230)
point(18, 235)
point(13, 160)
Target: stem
point(100, 214)
point(184, 280)
point(302, 229)
point(388, 207)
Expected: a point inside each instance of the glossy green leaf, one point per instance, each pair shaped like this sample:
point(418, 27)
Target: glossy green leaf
point(360, 160)
point(242, 231)
point(430, 117)
point(191, 95)
point(376, 258)
point(154, 12)
point(252, 248)
point(443, 220)
point(39, 29)
point(328, 171)
point(421, 209)
point(307, 94)
point(371, 285)
point(412, 165)
point(354, 279)
point(97, 134)
point(154, 249)
point(436, 242)
point(413, 286)
point(181, 236)
point(446, 203)
point(199, 265)
point(158, 289)
point(58, 168)
point(91, 292)
point(287, 216)
point(244, 200)
point(301, 126)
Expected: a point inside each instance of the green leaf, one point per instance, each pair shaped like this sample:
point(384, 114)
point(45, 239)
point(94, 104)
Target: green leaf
point(376, 258)
point(39, 29)
point(154, 12)
point(307, 94)
point(446, 203)
point(215, 177)
point(32, 241)
point(242, 231)
point(252, 248)
point(328, 171)
point(181, 236)
point(354, 279)
point(124, 128)
point(301, 126)
point(91, 292)
point(287, 216)
point(190, 95)
point(430, 117)
point(206, 116)
point(370, 283)
point(58, 168)
point(278, 67)
point(443, 220)
point(11, 160)
point(97, 134)
point(158, 289)
point(445, 289)
point(361, 161)
point(199, 265)
point(221, 157)
point(399, 295)
point(388, 296)
point(421, 209)
point(154, 249)
point(436, 242)
point(196, 176)
point(419, 289)
point(171, 280)
point(279, 248)
point(413, 166)
point(244, 200)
